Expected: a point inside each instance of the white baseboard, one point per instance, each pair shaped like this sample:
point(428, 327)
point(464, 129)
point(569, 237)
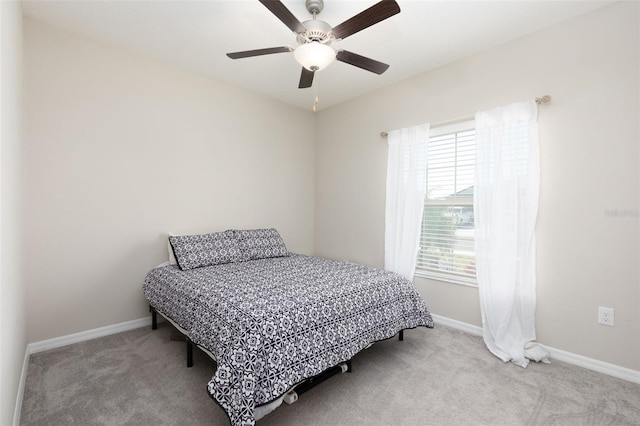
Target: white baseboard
point(59, 342)
point(20, 396)
point(82, 336)
point(458, 325)
point(558, 354)
point(595, 365)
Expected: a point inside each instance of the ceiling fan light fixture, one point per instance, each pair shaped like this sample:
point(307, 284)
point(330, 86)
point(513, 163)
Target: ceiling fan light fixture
point(314, 56)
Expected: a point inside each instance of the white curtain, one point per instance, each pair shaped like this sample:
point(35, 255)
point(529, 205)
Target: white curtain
point(406, 190)
point(505, 209)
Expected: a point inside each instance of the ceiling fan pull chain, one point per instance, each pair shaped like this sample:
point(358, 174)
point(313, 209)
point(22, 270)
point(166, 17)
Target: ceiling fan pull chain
point(315, 94)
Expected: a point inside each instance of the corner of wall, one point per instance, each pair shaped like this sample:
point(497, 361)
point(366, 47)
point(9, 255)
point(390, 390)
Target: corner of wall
point(12, 291)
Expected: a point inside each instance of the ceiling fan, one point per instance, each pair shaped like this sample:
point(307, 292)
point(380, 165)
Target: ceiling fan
point(314, 38)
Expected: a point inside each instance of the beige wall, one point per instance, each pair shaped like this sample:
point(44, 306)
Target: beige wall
point(121, 149)
point(12, 293)
point(590, 164)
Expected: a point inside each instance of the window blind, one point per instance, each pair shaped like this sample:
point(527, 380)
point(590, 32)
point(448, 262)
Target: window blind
point(447, 234)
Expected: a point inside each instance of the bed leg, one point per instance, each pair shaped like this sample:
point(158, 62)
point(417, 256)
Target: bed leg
point(349, 370)
point(401, 335)
point(189, 353)
point(154, 318)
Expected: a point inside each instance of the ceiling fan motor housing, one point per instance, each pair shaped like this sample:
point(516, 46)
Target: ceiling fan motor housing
point(318, 31)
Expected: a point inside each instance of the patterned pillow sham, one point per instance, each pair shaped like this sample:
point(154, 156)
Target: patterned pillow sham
point(172, 255)
point(260, 244)
point(194, 251)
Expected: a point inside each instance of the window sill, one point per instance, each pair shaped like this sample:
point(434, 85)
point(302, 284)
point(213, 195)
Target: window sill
point(467, 282)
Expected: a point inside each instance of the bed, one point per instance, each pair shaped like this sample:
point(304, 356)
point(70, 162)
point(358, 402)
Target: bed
point(272, 319)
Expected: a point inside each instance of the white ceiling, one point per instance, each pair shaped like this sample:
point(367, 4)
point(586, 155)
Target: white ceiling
point(197, 34)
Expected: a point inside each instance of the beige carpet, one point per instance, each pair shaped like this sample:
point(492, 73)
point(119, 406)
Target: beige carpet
point(434, 377)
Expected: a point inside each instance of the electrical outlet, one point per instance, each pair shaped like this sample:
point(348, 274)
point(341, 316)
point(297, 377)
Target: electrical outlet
point(606, 316)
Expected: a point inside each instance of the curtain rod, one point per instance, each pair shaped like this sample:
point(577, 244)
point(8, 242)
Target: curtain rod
point(546, 99)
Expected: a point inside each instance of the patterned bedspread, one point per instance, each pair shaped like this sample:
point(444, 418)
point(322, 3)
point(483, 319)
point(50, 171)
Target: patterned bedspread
point(272, 323)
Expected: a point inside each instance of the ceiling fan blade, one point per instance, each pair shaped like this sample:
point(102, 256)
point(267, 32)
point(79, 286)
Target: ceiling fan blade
point(258, 52)
point(361, 62)
point(282, 13)
point(306, 78)
point(376, 13)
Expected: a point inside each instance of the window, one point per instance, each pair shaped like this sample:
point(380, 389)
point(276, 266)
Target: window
point(447, 235)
